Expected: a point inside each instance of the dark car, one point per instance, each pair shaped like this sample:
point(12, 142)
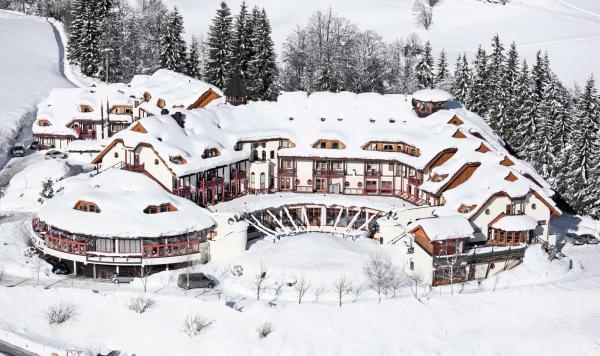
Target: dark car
point(590, 239)
point(195, 280)
point(58, 267)
point(575, 239)
point(122, 277)
point(18, 150)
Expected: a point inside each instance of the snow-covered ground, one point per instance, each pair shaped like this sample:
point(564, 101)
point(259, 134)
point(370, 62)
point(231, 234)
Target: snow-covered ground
point(568, 29)
point(541, 307)
point(29, 68)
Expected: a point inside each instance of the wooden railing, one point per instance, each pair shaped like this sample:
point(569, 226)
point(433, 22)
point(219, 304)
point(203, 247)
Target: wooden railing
point(64, 245)
point(133, 167)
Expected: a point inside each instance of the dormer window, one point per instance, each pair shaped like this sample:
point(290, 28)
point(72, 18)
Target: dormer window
point(507, 162)
point(85, 108)
point(87, 207)
point(147, 96)
point(177, 160)
point(44, 123)
point(211, 152)
point(157, 209)
point(465, 209)
point(329, 144)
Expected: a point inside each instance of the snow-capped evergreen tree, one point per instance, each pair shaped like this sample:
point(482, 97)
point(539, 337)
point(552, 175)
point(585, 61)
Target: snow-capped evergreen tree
point(443, 79)
point(583, 167)
point(262, 68)
point(242, 50)
point(424, 70)
point(519, 140)
point(193, 60)
point(218, 66)
point(89, 53)
point(510, 91)
point(76, 31)
point(112, 42)
point(173, 48)
point(462, 79)
point(497, 96)
point(478, 100)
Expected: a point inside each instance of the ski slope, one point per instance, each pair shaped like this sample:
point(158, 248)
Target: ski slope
point(568, 29)
point(30, 65)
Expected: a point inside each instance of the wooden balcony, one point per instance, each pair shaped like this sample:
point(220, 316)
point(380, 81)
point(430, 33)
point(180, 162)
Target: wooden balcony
point(412, 180)
point(372, 173)
point(133, 167)
point(86, 134)
point(238, 175)
point(287, 172)
point(328, 172)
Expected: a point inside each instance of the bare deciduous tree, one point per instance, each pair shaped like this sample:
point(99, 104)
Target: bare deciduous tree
point(342, 286)
point(258, 282)
point(140, 304)
point(423, 14)
point(318, 291)
point(301, 287)
point(380, 273)
point(194, 324)
point(60, 313)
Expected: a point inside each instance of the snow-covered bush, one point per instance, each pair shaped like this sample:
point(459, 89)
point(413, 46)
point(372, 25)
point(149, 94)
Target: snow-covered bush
point(47, 191)
point(59, 313)
point(140, 304)
point(237, 271)
point(194, 324)
point(264, 329)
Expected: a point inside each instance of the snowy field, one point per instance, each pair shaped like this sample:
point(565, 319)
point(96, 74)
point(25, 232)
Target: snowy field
point(563, 314)
point(29, 68)
point(568, 29)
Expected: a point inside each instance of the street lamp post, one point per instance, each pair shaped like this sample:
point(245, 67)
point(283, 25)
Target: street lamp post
point(106, 52)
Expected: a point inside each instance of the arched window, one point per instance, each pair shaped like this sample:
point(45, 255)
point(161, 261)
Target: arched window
point(264, 155)
point(263, 180)
point(252, 179)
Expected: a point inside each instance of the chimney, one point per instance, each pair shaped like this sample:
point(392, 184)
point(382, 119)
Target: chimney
point(164, 111)
point(179, 118)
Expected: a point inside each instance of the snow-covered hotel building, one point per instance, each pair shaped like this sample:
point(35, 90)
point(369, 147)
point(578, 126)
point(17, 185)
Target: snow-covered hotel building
point(100, 111)
point(418, 169)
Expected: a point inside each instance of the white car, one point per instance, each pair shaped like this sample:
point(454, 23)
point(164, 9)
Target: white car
point(54, 154)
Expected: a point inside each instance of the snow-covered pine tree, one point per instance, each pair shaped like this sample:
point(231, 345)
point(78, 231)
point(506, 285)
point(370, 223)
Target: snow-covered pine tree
point(478, 100)
point(525, 129)
point(193, 60)
point(424, 70)
point(76, 31)
point(497, 96)
point(242, 51)
point(561, 110)
point(218, 67)
point(510, 91)
point(173, 48)
point(583, 167)
point(151, 21)
point(112, 42)
point(90, 54)
point(443, 79)
point(462, 79)
point(262, 68)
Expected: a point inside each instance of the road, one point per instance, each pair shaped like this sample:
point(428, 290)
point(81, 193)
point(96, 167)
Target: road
point(10, 350)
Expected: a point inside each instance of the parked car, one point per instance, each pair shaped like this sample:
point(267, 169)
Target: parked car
point(34, 145)
point(58, 267)
point(18, 150)
point(195, 280)
point(54, 154)
point(122, 277)
point(575, 239)
point(590, 239)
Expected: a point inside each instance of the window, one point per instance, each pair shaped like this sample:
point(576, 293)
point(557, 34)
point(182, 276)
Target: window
point(533, 206)
point(264, 155)
point(309, 182)
point(286, 183)
point(130, 246)
point(542, 222)
point(105, 245)
point(272, 154)
point(390, 167)
point(335, 145)
point(156, 161)
point(388, 147)
point(116, 154)
point(262, 180)
point(321, 164)
point(286, 164)
point(252, 179)
point(87, 207)
point(346, 184)
point(487, 211)
point(412, 265)
point(337, 165)
point(162, 208)
point(360, 184)
point(516, 207)
point(323, 144)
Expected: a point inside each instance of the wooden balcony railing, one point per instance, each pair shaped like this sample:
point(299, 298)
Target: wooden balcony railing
point(133, 167)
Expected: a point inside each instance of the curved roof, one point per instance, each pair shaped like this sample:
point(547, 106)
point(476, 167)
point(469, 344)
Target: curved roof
point(433, 95)
point(121, 197)
point(515, 223)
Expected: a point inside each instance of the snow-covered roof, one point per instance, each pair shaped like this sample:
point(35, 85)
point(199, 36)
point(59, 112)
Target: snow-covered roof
point(432, 95)
point(355, 120)
point(444, 228)
point(64, 105)
point(121, 197)
point(84, 146)
point(515, 223)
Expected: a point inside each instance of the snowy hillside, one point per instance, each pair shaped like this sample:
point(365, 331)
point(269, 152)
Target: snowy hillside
point(562, 27)
point(29, 68)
